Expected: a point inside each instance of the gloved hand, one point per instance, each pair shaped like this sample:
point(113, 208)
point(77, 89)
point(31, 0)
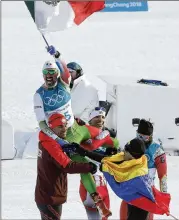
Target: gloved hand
point(80, 150)
point(112, 132)
point(70, 148)
point(110, 151)
point(93, 168)
point(74, 148)
point(52, 51)
point(100, 167)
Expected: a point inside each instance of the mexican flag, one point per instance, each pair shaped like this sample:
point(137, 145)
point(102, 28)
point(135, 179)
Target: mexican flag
point(56, 15)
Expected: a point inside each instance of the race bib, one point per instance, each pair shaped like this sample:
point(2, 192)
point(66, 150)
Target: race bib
point(65, 110)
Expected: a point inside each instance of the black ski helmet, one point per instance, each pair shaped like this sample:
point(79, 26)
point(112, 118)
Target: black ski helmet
point(75, 66)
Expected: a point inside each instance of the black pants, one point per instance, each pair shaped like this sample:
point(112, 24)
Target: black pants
point(135, 213)
point(49, 212)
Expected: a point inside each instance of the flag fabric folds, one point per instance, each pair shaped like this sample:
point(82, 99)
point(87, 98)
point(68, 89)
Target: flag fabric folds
point(130, 181)
point(83, 10)
point(51, 16)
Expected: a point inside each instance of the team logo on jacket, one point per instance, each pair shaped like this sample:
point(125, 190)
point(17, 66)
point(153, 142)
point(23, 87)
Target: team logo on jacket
point(51, 2)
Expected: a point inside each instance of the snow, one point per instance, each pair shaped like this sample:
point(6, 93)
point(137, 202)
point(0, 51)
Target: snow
point(127, 45)
point(18, 184)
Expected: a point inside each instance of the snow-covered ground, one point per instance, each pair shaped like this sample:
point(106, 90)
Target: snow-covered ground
point(125, 44)
point(18, 183)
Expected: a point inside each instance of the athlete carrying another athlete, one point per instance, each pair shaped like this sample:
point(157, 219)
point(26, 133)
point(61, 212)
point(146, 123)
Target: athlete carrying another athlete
point(54, 96)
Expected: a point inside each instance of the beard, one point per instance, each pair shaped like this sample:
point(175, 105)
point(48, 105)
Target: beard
point(50, 84)
point(51, 81)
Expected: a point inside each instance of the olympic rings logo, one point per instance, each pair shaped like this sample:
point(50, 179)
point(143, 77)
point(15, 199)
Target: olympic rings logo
point(55, 98)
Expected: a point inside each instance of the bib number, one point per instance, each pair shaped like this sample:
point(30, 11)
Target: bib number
point(67, 116)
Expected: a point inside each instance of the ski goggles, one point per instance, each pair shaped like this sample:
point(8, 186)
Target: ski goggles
point(49, 71)
point(100, 109)
point(144, 137)
point(71, 70)
point(78, 71)
point(96, 112)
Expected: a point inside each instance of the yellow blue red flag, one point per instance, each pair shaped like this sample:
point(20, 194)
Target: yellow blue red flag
point(130, 181)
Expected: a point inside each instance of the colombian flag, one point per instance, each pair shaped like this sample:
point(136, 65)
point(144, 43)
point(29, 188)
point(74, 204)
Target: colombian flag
point(130, 181)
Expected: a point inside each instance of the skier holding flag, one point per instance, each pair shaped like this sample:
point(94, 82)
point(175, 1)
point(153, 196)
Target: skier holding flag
point(156, 160)
point(54, 96)
point(127, 174)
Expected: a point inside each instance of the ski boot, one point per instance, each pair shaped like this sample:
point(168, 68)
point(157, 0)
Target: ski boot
point(103, 210)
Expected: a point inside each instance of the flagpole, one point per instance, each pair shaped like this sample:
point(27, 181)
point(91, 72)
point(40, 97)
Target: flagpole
point(45, 40)
point(173, 217)
point(168, 213)
point(47, 47)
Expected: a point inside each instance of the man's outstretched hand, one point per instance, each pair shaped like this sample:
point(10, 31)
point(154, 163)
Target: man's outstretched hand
point(76, 148)
point(52, 51)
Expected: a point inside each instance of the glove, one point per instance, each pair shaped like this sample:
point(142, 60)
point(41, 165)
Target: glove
point(101, 150)
point(80, 150)
point(70, 148)
point(93, 168)
point(112, 132)
point(74, 148)
point(101, 167)
point(110, 151)
point(52, 51)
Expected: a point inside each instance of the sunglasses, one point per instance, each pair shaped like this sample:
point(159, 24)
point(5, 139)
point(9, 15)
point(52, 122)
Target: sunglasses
point(144, 137)
point(49, 71)
point(100, 109)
